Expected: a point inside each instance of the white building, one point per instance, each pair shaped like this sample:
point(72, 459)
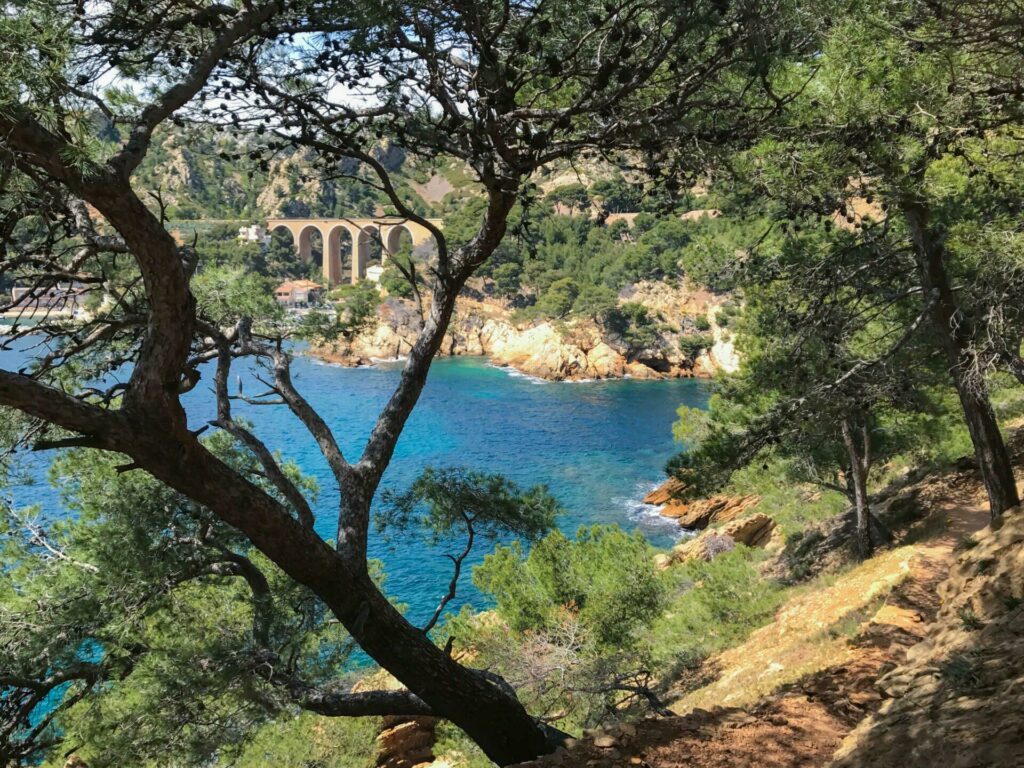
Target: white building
point(254, 233)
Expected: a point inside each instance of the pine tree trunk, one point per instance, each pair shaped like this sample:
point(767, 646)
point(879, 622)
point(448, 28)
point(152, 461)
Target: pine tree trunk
point(950, 325)
point(859, 482)
point(482, 705)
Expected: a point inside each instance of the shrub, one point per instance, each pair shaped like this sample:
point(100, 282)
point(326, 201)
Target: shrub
point(604, 576)
point(692, 344)
point(595, 301)
point(716, 604)
point(633, 323)
point(558, 299)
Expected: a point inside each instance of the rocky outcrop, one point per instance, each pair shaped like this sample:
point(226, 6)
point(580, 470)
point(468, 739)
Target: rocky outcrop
point(405, 742)
point(957, 699)
point(672, 488)
point(564, 351)
point(699, 514)
point(754, 531)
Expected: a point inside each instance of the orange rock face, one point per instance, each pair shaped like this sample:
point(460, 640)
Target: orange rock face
point(665, 492)
point(754, 530)
point(703, 512)
point(406, 742)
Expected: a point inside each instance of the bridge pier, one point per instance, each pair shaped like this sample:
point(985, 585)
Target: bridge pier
point(361, 232)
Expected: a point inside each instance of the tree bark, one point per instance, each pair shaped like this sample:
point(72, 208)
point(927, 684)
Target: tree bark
point(859, 464)
point(489, 714)
point(951, 327)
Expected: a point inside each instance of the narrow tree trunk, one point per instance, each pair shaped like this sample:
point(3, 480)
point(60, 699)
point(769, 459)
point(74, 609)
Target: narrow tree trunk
point(483, 706)
point(950, 325)
point(859, 463)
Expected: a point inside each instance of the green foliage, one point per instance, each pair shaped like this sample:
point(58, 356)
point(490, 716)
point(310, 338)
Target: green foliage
point(225, 294)
point(507, 279)
point(595, 302)
point(616, 195)
point(712, 606)
point(692, 344)
point(355, 308)
point(633, 323)
point(395, 283)
point(969, 620)
point(604, 576)
point(309, 741)
point(575, 197)
point(444, 500)
point(786, 496)
point(558, 298)
point(400, 267)
point(576, 266)
point(147, 590)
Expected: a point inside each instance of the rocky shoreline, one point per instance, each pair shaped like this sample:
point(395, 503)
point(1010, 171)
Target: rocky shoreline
point(719, 523)
point(552, 350)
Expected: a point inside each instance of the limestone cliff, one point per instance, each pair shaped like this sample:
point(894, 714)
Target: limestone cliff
point(569, 350)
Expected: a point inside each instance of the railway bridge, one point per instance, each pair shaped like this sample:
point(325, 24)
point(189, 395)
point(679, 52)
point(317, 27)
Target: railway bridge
point(351, 241)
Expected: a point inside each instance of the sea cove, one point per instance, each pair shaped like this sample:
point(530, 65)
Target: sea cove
point(599, 446)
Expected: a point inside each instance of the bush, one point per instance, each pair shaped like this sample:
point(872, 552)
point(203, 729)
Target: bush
point(692, 344)
point(634, 323)
point(572, 196)
point(604, 577)
point(595, 301)
point(507, 279)
point(558, 299)
point(395, 283)
point(716, 604)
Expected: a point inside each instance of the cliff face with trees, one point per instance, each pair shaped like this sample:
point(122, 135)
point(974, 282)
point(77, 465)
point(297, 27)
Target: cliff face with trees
point(615, 282)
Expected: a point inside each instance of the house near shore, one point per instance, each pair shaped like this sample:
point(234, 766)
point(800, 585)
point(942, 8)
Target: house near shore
point(298, 293)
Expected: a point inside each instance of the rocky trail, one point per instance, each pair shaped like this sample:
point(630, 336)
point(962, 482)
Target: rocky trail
point(849, 674)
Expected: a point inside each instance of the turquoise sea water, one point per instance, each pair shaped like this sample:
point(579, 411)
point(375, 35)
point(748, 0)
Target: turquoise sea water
point(598, 446)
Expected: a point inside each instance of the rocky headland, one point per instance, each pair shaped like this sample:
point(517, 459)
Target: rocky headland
point(557, 350)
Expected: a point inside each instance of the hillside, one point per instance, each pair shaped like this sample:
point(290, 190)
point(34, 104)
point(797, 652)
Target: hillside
point(599, 279)
point(917, 646)
point(204, 175)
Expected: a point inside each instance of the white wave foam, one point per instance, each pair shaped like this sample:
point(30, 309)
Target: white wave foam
point(515, 373)
point(648, 516)
point(327, 363)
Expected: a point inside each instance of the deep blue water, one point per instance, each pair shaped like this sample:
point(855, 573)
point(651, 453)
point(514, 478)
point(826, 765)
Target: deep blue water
point(598, 446)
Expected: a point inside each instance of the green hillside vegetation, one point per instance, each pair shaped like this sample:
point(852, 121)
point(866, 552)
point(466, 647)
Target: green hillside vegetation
point(553, 265)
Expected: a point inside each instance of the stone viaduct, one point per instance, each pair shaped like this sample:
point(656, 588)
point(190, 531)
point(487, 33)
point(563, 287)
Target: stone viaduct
point(361, 234)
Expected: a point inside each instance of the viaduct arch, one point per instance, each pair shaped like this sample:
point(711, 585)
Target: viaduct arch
point(361, 232)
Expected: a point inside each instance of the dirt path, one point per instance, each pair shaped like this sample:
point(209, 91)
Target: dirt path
point(792, 692)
